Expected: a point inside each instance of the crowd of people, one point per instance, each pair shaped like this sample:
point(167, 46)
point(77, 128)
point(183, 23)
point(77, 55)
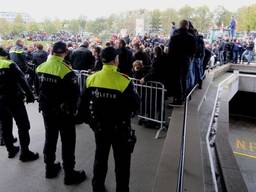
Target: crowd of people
point(233, 50)
point(44, 36)
point(108, 99)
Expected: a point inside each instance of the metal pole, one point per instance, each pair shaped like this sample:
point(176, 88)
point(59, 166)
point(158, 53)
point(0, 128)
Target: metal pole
point(180, 180)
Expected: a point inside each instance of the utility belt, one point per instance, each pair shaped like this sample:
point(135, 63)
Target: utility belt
point(61, 109)
point(18, 96)
point(122, 127)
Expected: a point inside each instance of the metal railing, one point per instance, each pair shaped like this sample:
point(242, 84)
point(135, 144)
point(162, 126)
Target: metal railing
point(81, 77)
point(152, 106)
point(209, 131)
point(31, 76)
point(152, 94)
point(180, 180)
point(211, 67)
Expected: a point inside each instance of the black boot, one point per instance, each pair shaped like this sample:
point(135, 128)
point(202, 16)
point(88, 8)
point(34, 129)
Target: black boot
point(28, 156)
point(104, 189)
point(74, 177)
point(2, 142)
point(200, 84)
point(14, 140)
point(52, 171)
point(13, 152)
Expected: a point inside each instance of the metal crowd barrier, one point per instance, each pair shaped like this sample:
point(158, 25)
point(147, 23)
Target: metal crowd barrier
point(152, 106)
point(31, 77)
point(81, 77)
point(152, 94)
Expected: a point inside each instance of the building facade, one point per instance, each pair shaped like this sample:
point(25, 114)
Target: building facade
point(10, 16)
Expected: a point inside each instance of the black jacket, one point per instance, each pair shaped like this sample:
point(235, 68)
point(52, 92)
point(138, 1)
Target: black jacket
point(159, 71)
point(109, 98)
point(182, 48)
point(82, 59)
point(250, 46)
point(200, 47)
point(98, 65)
point(39, 57)
point(58, 86)
point(125, 61)
point(13, 84)
point(18, 56)
point(140, 55)
point(207, 58)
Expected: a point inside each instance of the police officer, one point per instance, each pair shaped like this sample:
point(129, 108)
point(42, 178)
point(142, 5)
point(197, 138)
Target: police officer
point(58, 95)
point(18, 55)
point(107, 104)
point(12, 88)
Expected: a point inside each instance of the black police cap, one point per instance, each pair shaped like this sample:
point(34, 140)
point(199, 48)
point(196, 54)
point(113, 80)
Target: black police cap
point(59, 47)
point(108, 54)
point(3, 53)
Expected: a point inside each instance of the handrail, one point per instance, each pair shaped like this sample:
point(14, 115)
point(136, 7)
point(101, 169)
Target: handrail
point(214, 66)
point(183, 143)
point(209, 130)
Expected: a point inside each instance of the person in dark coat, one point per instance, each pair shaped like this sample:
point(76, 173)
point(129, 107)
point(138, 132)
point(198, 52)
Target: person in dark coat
point(182, 47)
point(125, 58)
point(141, 55)
point(39, 56)
point(158, 70)
point(138, 70)
point(98, 62)
point(13, 90)
point(18, 55)
point(173, 28)
point(108, 102)
point(82, 58)
point(207, 57)
point(158, 74)
point(67, 59)
point(198, 60)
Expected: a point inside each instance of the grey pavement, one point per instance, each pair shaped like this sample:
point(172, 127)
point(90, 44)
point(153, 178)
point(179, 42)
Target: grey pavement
point(243, 140)
point(16, 176)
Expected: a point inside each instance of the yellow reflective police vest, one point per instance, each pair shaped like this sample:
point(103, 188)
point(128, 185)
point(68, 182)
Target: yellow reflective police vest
point(16, 51)
point(54, 66)
point(108, 78)
point(5, 63)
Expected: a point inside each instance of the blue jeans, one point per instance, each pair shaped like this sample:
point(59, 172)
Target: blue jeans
point(199, 70)
point(248, 55)
point(233, 33)
point(191, 76)
point(235, 56)
point(221, 57)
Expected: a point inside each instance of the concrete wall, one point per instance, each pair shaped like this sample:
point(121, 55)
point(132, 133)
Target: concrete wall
point(247, 83)
point(198, 175)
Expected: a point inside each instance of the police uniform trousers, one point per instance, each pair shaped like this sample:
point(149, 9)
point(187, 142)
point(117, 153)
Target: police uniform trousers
point(9, 109)
point(106, 137)
point(59, 123)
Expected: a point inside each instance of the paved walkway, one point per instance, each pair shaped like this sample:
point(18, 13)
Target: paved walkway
point(243, 141)
point(16, 176)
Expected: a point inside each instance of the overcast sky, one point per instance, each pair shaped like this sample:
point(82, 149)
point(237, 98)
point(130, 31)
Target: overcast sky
point(42, 9)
